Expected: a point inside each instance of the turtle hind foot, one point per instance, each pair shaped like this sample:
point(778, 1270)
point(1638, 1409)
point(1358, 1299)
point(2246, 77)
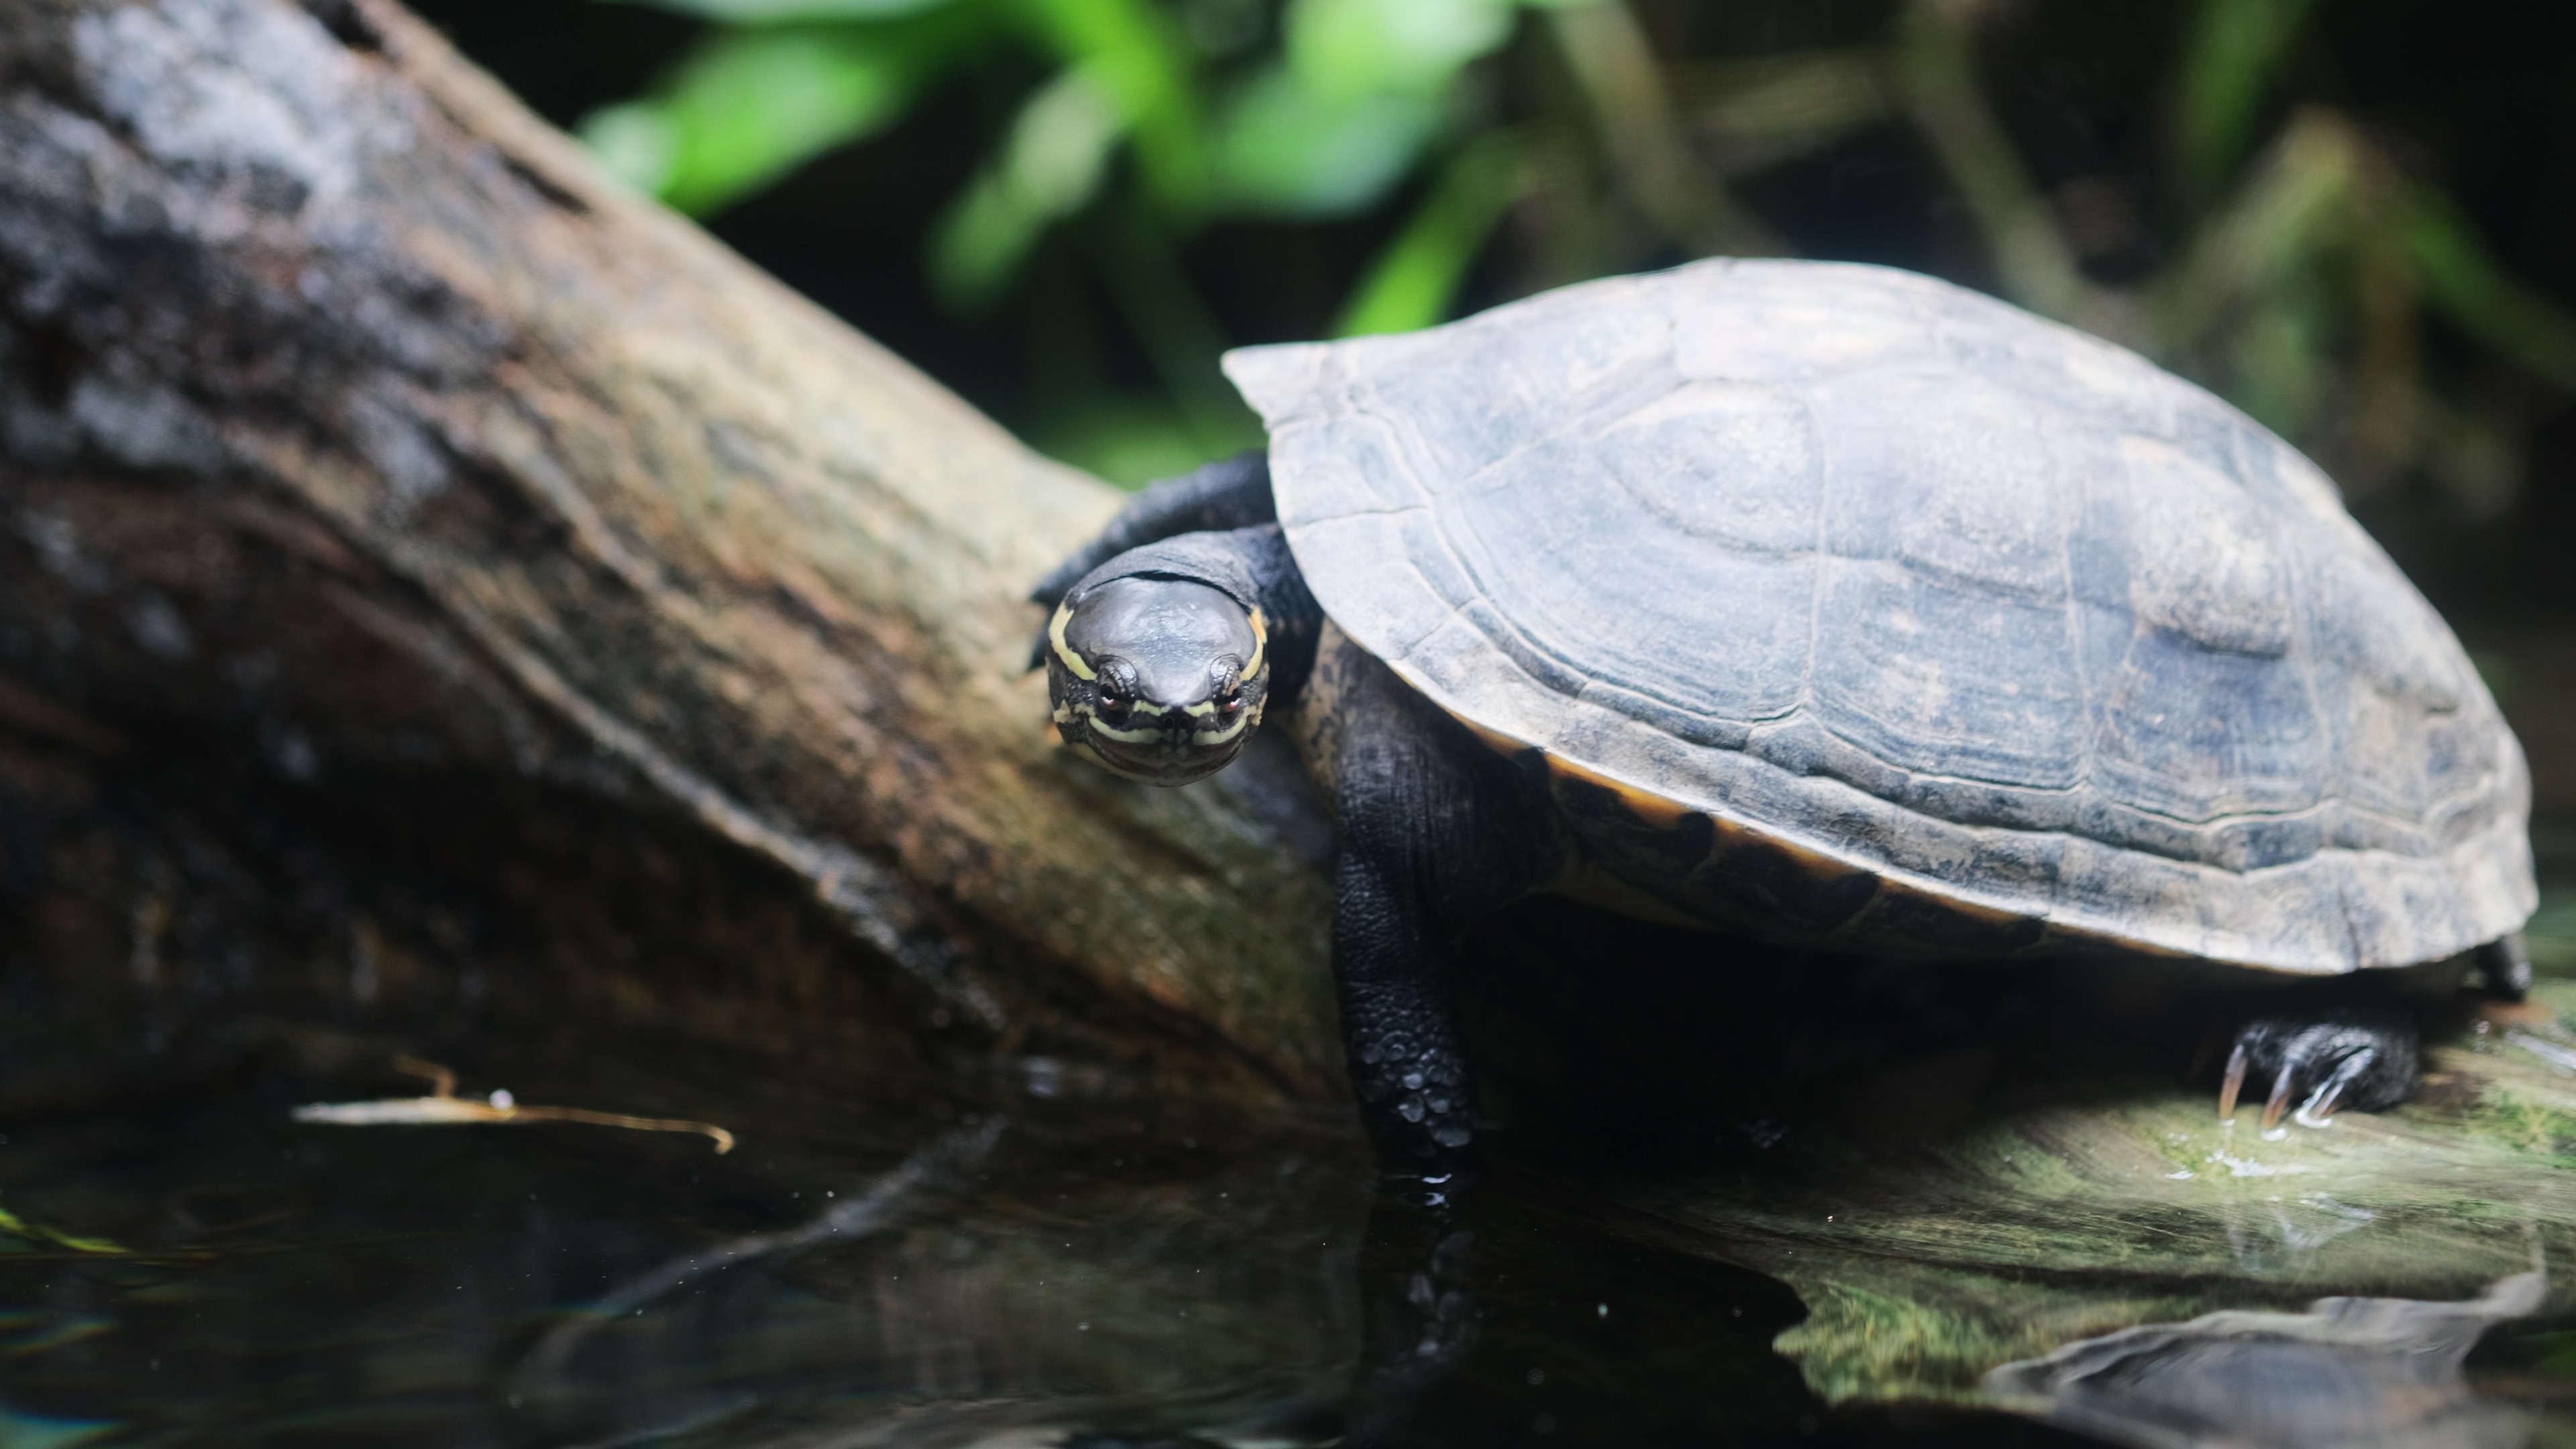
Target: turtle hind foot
point(2325, 1061)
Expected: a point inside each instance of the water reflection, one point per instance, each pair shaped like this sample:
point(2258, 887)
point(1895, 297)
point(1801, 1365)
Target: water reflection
point(982, 1267)
point(2272, 1239)
point(1045, 1254)
point(2376, 1372)
point(260, 1280)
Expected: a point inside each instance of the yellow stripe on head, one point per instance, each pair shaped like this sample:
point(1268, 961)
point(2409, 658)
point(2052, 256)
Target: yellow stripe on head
point(1153, 734)
point(1064, 651)
point(1260, 644)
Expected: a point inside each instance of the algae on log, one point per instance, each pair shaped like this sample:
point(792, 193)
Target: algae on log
point(349, 417)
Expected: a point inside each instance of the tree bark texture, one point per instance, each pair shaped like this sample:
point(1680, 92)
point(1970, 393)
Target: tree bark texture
point(348, 417)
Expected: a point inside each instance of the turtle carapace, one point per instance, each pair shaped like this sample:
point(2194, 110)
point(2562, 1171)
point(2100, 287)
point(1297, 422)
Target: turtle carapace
point(1827, 603)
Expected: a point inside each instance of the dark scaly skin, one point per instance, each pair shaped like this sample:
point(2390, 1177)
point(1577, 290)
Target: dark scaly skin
point(1437, 832)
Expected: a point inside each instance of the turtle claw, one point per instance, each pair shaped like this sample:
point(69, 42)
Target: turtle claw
point(2318, 1110)
point(2356, 1059)
point(2280, 1097)
point(2234, 1083)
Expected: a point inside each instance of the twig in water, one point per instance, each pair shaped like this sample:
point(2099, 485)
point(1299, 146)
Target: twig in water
point(443, 1106)
point(863, 1214)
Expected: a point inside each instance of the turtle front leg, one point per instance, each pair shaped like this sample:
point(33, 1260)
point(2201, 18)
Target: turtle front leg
point(1437, 831)
point(1399, 1018)
point(2324, 1062)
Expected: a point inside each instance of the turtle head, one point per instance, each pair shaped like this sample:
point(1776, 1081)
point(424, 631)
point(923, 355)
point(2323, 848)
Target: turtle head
point(1161, 679)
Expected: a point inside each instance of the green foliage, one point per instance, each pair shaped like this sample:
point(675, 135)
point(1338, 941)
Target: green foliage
point(2465, 284)
point(1134, 56)
point(1050, 166)
point(754, 103)
point(2231, 58)
point(1290, 151)
point(2301, 262)
point(1413, 280)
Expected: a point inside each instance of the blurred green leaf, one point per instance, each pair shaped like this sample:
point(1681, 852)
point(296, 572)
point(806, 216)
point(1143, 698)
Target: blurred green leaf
point(1284, 150)
point(1050, 166)
point(636, 141)
point(1363, 88)
point(1134, 53)
point(750, 105)
point(2465, 282)
point(2234, 51)
point(2295, 203)
point(2276, 363)
point(1341, 50)
point(1414, 282)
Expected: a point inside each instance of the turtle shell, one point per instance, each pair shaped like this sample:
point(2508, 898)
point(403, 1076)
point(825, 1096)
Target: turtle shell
point(1901, 583)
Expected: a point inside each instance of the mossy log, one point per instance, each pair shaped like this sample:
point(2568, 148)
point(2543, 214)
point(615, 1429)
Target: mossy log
point(350, 420)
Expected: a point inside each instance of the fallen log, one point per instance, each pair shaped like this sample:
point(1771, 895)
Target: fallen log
point(351, 421)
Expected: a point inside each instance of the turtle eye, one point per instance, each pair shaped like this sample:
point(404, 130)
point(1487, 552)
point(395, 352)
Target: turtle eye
point(1228, 694)
point(1117, 690)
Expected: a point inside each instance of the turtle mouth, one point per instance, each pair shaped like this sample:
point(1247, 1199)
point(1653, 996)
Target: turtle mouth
point(1174, 747)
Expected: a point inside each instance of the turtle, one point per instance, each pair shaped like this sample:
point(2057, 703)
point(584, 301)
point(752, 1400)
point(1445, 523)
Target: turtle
point(1827, 603)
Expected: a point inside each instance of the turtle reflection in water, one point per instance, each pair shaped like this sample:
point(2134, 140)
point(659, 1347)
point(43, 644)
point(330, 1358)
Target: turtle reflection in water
point(2357, 1373)
point(1827, 604)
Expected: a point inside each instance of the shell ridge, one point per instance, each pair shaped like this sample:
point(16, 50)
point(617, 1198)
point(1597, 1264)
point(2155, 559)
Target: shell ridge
point(2075, 791)
point(1601, 428)
point(1591, 414)
point(1414, 451)
point(2304, 649)
point(1806, 693)
point(2069, 485)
